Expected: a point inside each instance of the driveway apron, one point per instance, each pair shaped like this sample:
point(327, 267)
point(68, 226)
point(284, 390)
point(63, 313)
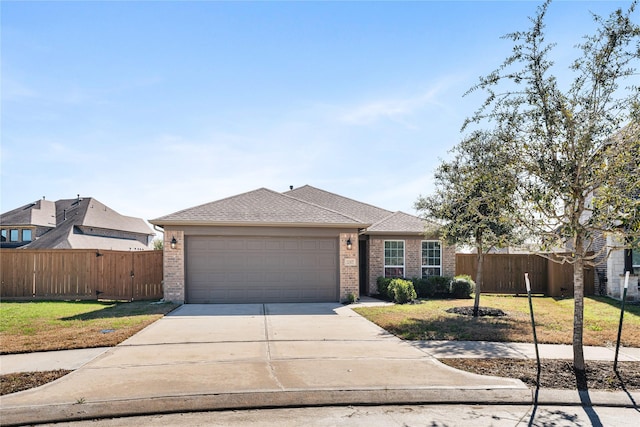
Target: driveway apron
point(244, 348)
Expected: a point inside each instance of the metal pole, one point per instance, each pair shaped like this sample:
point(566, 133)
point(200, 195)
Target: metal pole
point(624, 298)
point(533, 324)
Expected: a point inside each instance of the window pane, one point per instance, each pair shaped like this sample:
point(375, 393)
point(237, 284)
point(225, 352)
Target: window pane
point(431, 271)
point(635, 254)
point(431, 254)
point(13, 235)
point(394, 272)
point(4, 235)
point(394, 253)
point(26, 235)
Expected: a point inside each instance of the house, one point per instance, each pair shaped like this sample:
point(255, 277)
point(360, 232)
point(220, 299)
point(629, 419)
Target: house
point(80, 223)
point(613, 270)
point(303, 245)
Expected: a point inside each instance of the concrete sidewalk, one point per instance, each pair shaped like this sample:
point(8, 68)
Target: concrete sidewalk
point(202, 358)
point(74, 359)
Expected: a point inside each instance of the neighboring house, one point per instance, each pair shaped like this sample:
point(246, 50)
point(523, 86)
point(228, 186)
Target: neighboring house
point(81, 223)
point(303, 245)
point(614, 271)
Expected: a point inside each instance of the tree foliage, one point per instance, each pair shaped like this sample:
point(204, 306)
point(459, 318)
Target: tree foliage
point(474, 200)
point(576, 144)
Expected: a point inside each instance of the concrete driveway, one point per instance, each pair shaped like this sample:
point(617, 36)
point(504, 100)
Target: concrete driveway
point(251, 355)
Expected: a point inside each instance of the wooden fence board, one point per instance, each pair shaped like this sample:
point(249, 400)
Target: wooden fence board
point(504, 274)
point(80, 274)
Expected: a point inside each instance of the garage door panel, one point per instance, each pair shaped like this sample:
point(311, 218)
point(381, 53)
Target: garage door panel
point(257, 269)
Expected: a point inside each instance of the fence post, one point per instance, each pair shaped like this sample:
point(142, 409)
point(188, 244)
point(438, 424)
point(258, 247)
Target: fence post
point(624, 298)
point(533, 325)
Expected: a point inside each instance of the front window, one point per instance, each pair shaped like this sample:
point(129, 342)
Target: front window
point(4, 235)
point(13, 235)
point(26, 235)
point(394, 258)
point(431, 258)
point(635, 260)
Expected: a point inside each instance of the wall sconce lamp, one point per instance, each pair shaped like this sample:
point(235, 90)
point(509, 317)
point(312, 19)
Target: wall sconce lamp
point(349, 245)
point(174, 242)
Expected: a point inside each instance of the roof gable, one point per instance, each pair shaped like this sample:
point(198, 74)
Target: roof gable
point(399, 223)
point(39, 213)
point(258, 207)
point(366, 213)
point(69, 219)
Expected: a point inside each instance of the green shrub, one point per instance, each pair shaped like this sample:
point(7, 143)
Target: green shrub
point(351, 298)
point(439, 286)
point(462, 286)
point(423, 287)
point(383, 287)
point(401, 291)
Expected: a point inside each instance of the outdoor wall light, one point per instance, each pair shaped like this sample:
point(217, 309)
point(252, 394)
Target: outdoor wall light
point(174, 242)
point(349, 245)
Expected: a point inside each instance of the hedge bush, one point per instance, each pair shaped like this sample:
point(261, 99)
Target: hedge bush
point(383, 287)
point(422, 287)
point(462, 286)
point(432, 286)
point(401, 291)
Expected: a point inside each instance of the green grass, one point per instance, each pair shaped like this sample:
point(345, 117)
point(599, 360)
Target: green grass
point(57, 325)
point(554, 320)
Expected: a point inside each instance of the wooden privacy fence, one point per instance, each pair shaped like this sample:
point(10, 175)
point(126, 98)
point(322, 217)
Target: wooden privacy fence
point(504, 274)
point(85, 274)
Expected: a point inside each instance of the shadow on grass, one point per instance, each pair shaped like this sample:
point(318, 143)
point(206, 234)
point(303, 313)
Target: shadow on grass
point(461, 328)
point(114, 310)
point(630, 307)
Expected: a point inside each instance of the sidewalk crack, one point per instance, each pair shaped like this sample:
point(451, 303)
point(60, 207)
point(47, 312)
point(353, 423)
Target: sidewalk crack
point(272, 369)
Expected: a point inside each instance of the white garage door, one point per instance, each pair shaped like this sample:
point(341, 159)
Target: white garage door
point(261, 269)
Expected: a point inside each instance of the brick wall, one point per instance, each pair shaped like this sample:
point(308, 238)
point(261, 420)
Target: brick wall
point(376, 263)
point(412, 258)
point(349, 270)
point(448, 261)
point(174, 267)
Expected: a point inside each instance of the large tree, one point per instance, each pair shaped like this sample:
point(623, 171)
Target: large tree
point(577, 144)
point(473, 200)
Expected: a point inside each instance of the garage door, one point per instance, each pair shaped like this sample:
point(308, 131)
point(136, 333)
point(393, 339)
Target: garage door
point(261, 269)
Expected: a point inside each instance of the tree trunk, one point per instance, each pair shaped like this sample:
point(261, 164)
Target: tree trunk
point(578, 312)
point(478, 278)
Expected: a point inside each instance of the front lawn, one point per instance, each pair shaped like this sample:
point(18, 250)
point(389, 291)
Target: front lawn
point(554, 320)
point(62, 325)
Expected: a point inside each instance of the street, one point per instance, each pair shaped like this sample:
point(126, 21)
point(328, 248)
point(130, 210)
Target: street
point(390, 416)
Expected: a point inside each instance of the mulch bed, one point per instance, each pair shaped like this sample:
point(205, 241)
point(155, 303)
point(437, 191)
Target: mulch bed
point(482, 311)
point(12, 383)
point(556, 374)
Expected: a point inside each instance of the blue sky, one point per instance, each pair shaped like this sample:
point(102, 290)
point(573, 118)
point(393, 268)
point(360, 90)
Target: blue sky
point(153, 107)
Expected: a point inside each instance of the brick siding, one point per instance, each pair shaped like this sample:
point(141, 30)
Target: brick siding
point(174, 267)
point(412, 258)
point(349, 274)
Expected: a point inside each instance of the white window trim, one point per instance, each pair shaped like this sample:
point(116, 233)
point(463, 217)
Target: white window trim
point(422, 257)
point(384, 257)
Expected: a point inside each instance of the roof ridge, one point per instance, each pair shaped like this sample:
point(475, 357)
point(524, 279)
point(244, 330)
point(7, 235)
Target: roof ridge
point(323, 208)
point(214, 201)
point(339, 195)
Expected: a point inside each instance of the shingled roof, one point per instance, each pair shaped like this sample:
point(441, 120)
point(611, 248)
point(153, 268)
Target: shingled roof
point(40, 213)
point(305, 206)
point(260, 207)
point(398, 223)
point(364, 212)
point(70, 222)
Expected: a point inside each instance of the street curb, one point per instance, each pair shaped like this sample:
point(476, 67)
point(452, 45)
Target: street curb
point(25, 415)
